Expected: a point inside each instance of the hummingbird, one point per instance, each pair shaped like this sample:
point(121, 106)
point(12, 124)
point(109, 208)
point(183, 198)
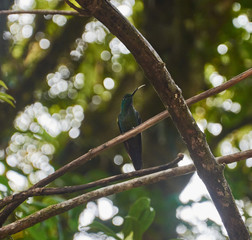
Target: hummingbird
point(128, 119)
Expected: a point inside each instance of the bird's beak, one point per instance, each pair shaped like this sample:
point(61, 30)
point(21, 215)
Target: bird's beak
point(137, 89)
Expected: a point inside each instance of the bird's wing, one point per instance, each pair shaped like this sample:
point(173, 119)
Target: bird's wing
point(138, 136)
point(133, 145)
point(139, 120)
point(118, 122)
point(121, 130)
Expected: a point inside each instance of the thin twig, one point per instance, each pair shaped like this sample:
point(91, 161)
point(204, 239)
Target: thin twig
point(121, 138)
point(222, 87)
point(56, 209)
point(42, 11)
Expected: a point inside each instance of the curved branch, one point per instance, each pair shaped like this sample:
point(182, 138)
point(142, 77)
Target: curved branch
point(59, 208)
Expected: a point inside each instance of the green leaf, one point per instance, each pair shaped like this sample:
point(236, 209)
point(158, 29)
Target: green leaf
point(7, 98)
point(146, 219)
point(130, 236)
point(4, 180)
point(97, 226)
point(3, 84)
point(73, 215)
point(10, 102)
point(5, 95)
point(139, 206)
point(128, 225)
point(45, 230)
point(75, 3)
point(141, 215)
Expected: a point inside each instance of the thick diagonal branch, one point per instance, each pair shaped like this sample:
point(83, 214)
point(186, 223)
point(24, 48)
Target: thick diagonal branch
point(208, 169)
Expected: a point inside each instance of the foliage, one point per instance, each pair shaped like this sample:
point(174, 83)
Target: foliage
point(139, 219)
point(6, 97)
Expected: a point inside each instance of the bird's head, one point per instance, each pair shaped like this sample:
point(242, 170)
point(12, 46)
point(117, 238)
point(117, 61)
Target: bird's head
point(127, 99)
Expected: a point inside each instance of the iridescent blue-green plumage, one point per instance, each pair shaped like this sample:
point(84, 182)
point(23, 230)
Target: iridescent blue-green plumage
point(128, 119)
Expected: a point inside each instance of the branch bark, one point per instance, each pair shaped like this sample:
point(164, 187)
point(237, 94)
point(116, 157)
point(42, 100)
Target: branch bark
point(110, 180)
point(62, 207)
point(43, 12)
point(99, 183)
point(207, 168)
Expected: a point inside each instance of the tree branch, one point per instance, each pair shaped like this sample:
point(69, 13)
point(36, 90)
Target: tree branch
point(98, 183)
point(220, 88)
point(109, 180)
point(45, 12)
point(119, 139)
point(56, 209)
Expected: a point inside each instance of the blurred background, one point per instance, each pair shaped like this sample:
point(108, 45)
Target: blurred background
point(68, 76)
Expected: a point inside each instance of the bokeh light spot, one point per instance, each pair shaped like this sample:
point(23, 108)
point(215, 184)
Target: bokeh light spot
point(232, 165)
point(26, 5)
point(216, 79)
point(214, 128)
point(236, 6)
point(108, 83)
point(222, 49)
point(98, 88)
point(105, 55)
point(117, 220)
point(128, 167)
point(79, 81)
point(125, 10)
point(249, 162)
point(106, 210)
point(27, 31)
point(96, 100)
point(60, 20)
point(44, 43)
point(118, 159)
point(74, 133)
point(2, 168)
point(116, 67)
